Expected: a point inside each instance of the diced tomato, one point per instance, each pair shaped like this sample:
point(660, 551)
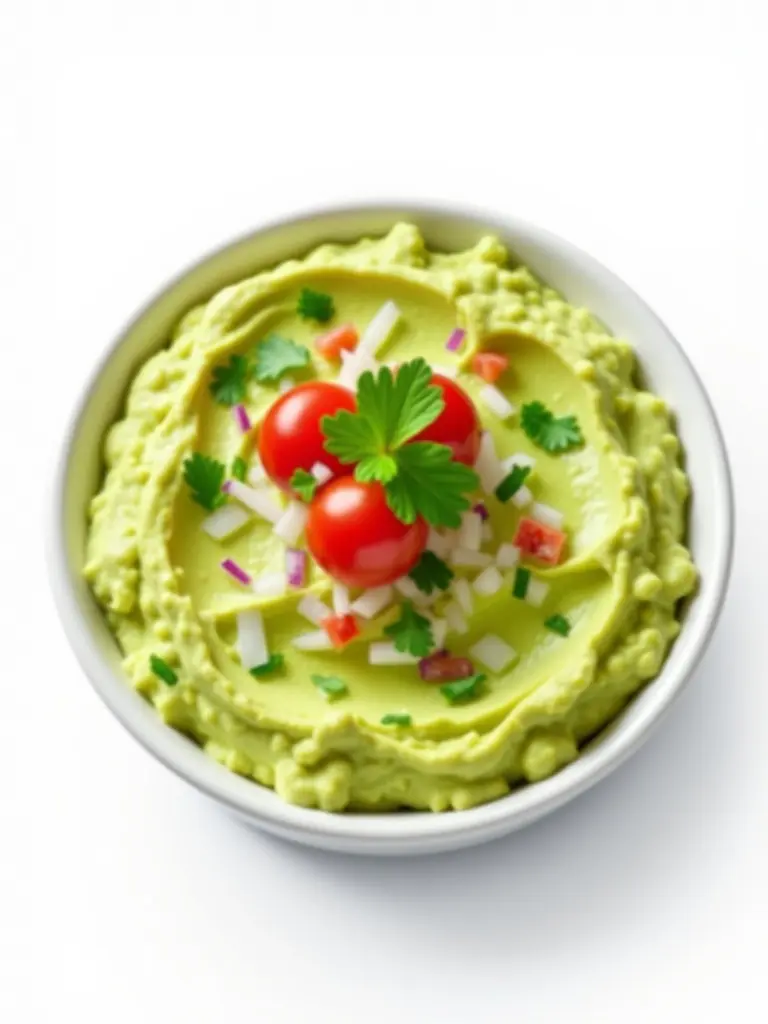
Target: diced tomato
point(331, 345)
point(442, 667)
point(541, 542)
point(341, 629)
point(489, 365)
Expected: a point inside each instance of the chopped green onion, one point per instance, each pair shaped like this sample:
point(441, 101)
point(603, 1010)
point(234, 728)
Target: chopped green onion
point(396, 718)
point(520, 586)
point(163, 670)
point(462, 690)
point(558, 624)
point(512, 482)
point(314, 305)
point(239, 468)
point(330, 686)
point(273, 664)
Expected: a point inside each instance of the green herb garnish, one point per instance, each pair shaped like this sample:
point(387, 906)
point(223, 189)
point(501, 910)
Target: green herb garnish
point(522, 579)
point(412, 633)
point(273, 664)
point(462, 690)
point(558, 624)
point(314, 305)
point(420, 478)
point(550, 432)
point(396, 718)
point(230, 381)
point(275, 355)
point(205, 477)
point(330, 686)
point(239, 468)
point(163, 670)
point(431, 573)
point(512, 482)
point(304, 484)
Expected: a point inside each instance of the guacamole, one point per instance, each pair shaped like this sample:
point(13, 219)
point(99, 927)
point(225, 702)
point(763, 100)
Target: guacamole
point(357, 724)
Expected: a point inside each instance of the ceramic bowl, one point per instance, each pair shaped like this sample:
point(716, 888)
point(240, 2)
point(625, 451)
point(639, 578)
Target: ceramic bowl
point(583, 281)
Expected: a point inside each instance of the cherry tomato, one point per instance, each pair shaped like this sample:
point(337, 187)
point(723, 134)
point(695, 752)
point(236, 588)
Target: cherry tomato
point(353, 534)
point(458, 425)
point(489, 365)
point(290, 437)
point(539, 541)
point(340, 339)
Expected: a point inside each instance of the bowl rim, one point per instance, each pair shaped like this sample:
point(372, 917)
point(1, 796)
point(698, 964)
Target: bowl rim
point(411, 832)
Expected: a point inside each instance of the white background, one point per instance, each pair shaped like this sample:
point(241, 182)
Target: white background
point(135, 136)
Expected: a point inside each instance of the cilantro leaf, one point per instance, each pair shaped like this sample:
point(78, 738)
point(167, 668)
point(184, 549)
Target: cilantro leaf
point(230, 381)
point(205, 477)
point(431, 573)
point(330, 686)
point(412, 633)
point(512, 482)
point(348, 436)
point(462, 690)
point(558, 624)
point(273, 664)
point(304, 484)
point(376, 467)
point(430, 484)
point(239, 468)
point(314, 305)
point(550, 432)
point(396, 718)
point(399, 405)
point(274, 355)
point(163, 670)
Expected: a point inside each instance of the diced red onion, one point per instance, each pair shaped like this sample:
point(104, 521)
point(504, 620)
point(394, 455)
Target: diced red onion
point(493, 652)
point(242, 419)
point(236, 572)
point(251, 641)
point(455, 339)
point(441, 667)
point(481, 510)
point(296, 567)
point(384, 652)
point(224, 521)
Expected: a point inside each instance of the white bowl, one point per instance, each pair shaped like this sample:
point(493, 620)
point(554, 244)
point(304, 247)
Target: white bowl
point(584, 282)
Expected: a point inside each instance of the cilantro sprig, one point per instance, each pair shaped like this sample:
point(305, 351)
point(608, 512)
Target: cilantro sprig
point(273, 664)
point(230, 381)
point(204, 477)
point(401, 718)
point(420, 478)
point(460, 691)
point(304, 484)
point(314, 305)
point(558, 624)
point(411, 633)
point(275, 355)
point(431, 573)
point(552, 433)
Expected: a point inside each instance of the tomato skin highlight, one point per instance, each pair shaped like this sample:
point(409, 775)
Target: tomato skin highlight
point(356, 538)
point(341, 629)
point(331, 345)
point(290, 437)
point(489, 365)
point(458, 425)
point(544, 543)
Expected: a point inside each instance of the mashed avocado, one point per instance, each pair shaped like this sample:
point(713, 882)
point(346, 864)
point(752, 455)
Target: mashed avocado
point(623, 494)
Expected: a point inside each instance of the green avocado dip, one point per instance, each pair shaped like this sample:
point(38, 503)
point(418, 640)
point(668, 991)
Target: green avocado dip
point(454, 571)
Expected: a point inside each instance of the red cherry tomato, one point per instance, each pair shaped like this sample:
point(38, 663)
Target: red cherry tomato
point(290, 437)
point(458, 425)
point(353, 534)
point(539, 541)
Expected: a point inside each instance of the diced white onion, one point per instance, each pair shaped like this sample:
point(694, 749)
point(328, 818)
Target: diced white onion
point(446, 371)
point(463, 594)
point(507, 556)
point(321, 472)
point(522, 497)
point(256, 474)
point(372, 602)
point(384, 652)
point(259, 499)
point(537, 592)
point(489, 581)
point(471, 559)
point(493, 652)
point(317, 640)
point(225, 520)
point(313, 609)
point(353, 364)
point(547, 515)
point(455, 618)
point(340, 599)
point(496, 401)
point(437, 543)
point(488, 465)
point(439, 630)
point(251, 641)
point(487, 534)
point(290, 525)
point(519, 459)
point(408, 588)
point(471, 531)
point(270, 584)
point(286, 383)
point(379, 329)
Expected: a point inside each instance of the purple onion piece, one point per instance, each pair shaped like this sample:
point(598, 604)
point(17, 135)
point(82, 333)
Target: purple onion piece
point(455, 339)
point(440, 667)
point(481, 510)
point(236, 572)
point(242, 419)
point(296, 567)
